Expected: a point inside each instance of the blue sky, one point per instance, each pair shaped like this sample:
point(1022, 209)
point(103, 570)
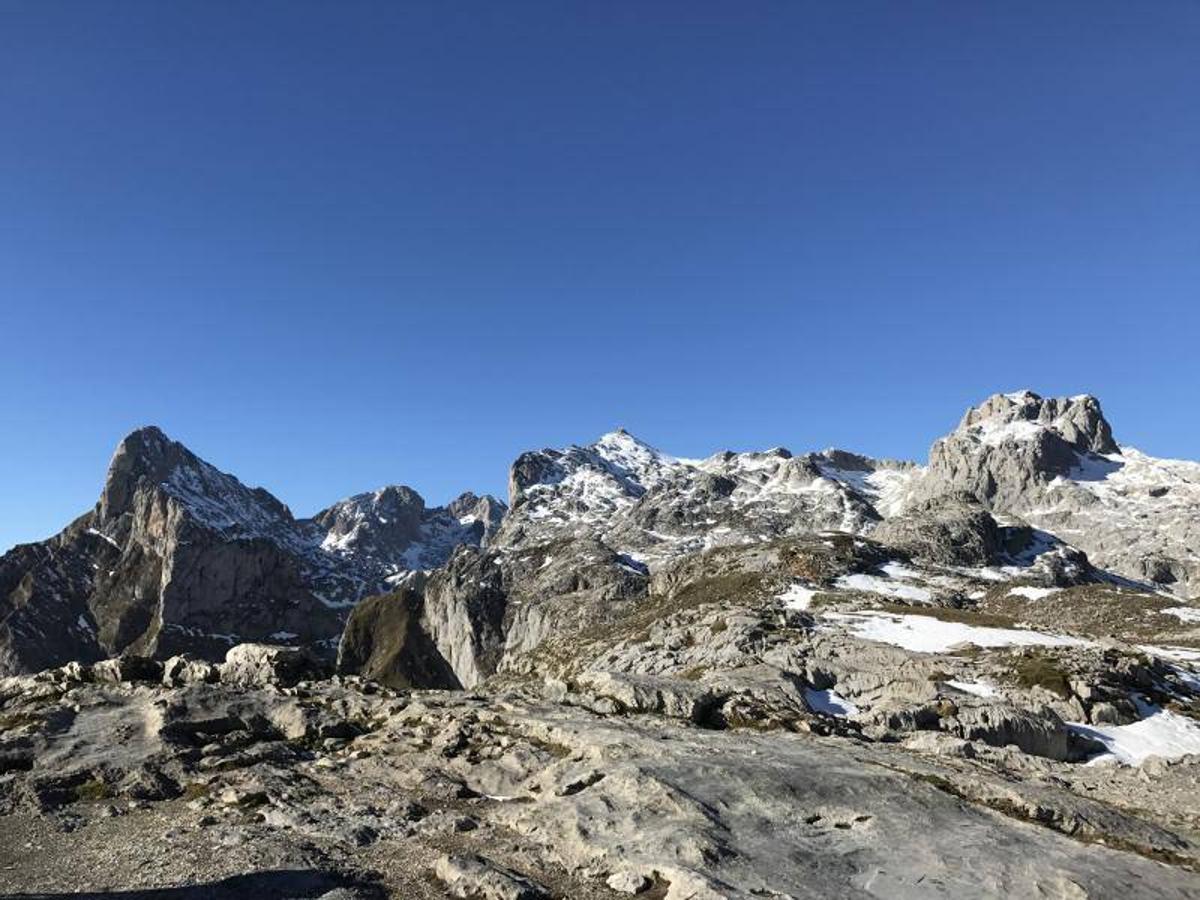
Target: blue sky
point(331, 246)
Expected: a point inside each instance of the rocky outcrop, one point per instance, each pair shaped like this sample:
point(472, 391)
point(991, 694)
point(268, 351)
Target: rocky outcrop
point(473, 877)
point(952, 530)
point(1009, 448)
point(485, 610)
point(464, 613)
point(385, 642)
point(257, 665)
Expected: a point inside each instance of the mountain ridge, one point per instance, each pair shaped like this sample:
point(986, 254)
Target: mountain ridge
point(179, 555)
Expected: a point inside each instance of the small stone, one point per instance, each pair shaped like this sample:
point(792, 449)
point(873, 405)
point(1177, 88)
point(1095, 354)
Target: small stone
point(628, 882)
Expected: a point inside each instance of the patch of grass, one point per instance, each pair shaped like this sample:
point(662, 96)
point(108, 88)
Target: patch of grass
point(1040, 670)
point(13, 721)
point(562, 654)
point(194, 790)
point(1096, 611)
point(823, 599)
point(555, 749)
point(91, 791)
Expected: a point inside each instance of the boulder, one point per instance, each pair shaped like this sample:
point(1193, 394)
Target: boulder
point(1038, 731)
point(181, 670)
point(127, 668)
point(473, 877)
point(257, 665)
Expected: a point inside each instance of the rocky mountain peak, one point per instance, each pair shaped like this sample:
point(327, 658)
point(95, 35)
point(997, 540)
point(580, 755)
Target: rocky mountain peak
point(148, 461)
point(617, 463)
point(392, 514)
point(469, 508)
point(1021, 415)
point(1007, 450)
point(143, 456)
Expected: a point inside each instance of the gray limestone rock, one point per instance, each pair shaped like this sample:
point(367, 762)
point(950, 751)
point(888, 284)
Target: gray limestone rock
point(472, 876)
point(256, 665)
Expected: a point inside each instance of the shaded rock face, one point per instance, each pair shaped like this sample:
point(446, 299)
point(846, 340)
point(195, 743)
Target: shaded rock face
point(485, 610)
point(951, 530)
point(178, 556)
point(384, 641)
point(44, 615)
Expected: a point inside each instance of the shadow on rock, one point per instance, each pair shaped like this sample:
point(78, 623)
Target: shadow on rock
point(300, 884)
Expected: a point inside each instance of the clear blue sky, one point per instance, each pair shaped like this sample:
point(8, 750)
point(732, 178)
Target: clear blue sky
point(331, 246)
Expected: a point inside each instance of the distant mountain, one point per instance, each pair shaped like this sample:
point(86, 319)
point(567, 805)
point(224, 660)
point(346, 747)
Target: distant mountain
point(1052, 463)
point(655, 506)
point(1055, 464)
point(178, 556)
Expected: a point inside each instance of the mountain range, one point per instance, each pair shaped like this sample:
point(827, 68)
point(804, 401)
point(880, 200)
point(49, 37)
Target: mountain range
point(177, 556)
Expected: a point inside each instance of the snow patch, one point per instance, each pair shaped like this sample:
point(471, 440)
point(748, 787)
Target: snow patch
point(993, 433)
point(875, 585)
point(1159, 733)
point(1189, 614)
point(797, 597)
point(103, 536)
point(829, 703)
point(1034, 593)
point(978, 688)
point(925, 634)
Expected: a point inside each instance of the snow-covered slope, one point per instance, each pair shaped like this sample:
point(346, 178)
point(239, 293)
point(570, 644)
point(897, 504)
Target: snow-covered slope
point(656, 506)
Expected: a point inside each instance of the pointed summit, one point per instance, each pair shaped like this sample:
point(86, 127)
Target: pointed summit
point(629, 452)
point(145, 455)
point(148, 460)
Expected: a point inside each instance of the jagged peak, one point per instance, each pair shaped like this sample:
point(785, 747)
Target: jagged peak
point(468, 503)
point(390, 495)
point(146, 454)
point(1023, 415)
point(622, 439)
point(147, 457)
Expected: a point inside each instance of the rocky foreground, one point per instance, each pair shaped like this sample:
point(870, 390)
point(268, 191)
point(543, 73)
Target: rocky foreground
point(763, 741)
